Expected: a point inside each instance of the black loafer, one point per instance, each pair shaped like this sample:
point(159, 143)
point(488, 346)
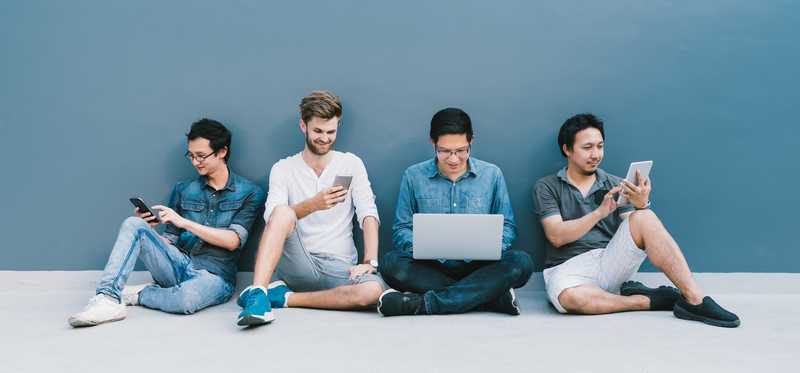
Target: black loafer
point(708, 312)
point(662, 298)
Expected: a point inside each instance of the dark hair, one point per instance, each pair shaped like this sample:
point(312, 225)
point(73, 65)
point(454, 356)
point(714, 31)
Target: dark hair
point(320, 104)
point(450, 121)
point(575, 124)
point(217, 135)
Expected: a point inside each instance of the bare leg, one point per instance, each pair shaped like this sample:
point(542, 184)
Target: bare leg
point(270, 248)
point(348, 297)
point(664, 252)
point(592, 300)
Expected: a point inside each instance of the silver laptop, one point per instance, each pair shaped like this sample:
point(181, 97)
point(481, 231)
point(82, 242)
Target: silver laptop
point(458, 236)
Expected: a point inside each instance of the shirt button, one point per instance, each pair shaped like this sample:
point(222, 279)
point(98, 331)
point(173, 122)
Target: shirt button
point(454, 205)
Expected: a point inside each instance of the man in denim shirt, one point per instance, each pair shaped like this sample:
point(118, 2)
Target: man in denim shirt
point(452, 183)
point(194, 261)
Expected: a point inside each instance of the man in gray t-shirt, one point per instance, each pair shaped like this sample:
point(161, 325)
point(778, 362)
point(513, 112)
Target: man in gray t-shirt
point(596, 245)
point(554, 195)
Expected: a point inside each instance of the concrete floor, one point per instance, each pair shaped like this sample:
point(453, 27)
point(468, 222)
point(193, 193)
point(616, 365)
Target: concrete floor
point(36, 337)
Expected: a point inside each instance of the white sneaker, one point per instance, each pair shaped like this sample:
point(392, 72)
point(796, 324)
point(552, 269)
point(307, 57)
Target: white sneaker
point(130, 294)
point(101, 308)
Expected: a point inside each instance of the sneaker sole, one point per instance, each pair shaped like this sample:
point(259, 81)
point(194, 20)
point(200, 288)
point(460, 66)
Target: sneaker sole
point(380, 300)
point(273, 285)
point(254, 320)
point(515, 302)
point(682, 313)
point(78, 323)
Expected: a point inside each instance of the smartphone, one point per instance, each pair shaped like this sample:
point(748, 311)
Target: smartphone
point(139, 203)
point(343, 181)
point(644, 171)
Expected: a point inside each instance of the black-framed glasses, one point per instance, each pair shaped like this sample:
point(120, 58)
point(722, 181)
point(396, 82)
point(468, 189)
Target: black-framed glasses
point(447, 153)
point(197, 157)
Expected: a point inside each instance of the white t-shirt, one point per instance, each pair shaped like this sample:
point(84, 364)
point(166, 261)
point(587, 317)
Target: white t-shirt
point(328, 232)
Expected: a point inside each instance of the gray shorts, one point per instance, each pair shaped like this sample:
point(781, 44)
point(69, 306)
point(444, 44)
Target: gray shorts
point(606, 268)
point(304, 271)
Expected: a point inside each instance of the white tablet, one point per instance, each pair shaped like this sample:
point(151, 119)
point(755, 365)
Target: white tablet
point(644, 170)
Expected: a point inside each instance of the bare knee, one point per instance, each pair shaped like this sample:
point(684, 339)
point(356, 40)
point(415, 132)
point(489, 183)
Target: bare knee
point(364, 295)
point(282, 218)
point(575, 300)
point(640, 221)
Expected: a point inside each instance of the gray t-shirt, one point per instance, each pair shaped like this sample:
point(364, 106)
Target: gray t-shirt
point(554, 195)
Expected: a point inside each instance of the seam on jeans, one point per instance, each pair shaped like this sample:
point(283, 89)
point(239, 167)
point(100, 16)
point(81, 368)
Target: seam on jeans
point(127, 257)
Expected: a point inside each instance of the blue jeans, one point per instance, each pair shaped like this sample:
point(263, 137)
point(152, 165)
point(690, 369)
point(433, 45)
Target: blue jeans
point(456, 286)
point(180, 287)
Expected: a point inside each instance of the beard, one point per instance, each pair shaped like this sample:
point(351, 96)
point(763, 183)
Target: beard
point(316, 149)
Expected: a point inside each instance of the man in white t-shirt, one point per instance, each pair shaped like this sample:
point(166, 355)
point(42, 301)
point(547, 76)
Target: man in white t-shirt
point(308, 239)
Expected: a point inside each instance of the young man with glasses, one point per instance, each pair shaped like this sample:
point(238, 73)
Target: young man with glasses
point(597, 245)
point(194, 261)
point(308, 241)
point(452, 183)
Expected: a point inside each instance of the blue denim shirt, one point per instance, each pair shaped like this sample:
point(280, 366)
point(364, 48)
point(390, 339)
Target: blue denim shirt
point(423, 189)
point(233, 207)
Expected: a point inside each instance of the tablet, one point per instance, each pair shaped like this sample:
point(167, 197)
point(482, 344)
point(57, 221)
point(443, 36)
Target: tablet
point(644, 170)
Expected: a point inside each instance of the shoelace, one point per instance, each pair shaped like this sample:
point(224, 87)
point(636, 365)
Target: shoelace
point(251, 300)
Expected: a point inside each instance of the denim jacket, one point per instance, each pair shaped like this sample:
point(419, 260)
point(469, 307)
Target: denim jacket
point(423, 189)
point(233, 207)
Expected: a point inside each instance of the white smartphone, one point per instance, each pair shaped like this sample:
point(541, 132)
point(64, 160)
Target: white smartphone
point(644, 171)
point(343, 181)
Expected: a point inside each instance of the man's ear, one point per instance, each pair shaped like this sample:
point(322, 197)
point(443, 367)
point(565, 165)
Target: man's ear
point(303, 127)
point(222, 152)
point(566, 149)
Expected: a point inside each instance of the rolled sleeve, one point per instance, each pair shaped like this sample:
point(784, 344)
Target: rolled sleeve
point(278, 192)
point(545, 202)
point(402, 229)
point(362, 195)
point(242, 222)
point(241, 232)
point(501, 204)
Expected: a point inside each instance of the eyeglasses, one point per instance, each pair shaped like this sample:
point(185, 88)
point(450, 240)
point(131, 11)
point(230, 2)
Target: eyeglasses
point(447, 153)
point(197, 157)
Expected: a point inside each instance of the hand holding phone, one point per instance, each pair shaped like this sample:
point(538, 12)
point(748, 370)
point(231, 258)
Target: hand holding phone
point(144, 212)
point(343, 181)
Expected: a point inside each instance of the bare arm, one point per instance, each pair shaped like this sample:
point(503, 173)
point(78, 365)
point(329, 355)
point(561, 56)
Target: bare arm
point(370, 225)
point(224, 238)
point(321, 201)
point(560, 232)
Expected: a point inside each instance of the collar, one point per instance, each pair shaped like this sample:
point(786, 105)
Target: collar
point(230, 185)
point(603, 181)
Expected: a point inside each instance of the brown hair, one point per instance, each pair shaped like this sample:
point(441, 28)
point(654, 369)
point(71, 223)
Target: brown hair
point(320, 104)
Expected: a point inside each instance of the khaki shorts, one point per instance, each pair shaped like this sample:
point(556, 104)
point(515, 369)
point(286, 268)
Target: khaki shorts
point(606, 268)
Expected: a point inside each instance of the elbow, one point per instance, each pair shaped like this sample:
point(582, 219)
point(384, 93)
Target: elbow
point(233, 244)
point(554, 241)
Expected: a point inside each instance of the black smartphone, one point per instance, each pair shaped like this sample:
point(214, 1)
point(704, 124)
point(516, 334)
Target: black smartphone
point(139, 203)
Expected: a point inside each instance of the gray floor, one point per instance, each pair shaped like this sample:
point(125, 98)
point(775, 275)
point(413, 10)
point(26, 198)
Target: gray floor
point(36, 337)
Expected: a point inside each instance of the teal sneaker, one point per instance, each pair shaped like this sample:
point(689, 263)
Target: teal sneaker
point(257, 310)
point(278, 293)
point(242, 300)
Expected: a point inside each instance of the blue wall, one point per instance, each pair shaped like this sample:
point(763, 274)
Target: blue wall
point(95, 98)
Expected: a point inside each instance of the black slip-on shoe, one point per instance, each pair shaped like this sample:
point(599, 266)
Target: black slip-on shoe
point(708, 312)
point(662, 298)
point(395, 303)
point(506, 303)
